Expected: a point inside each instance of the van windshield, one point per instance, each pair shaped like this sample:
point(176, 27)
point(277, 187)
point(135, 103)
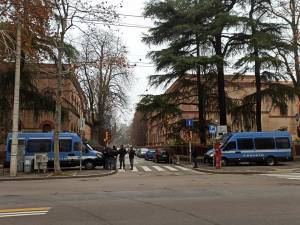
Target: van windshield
point(225, 138)
point(88, 147)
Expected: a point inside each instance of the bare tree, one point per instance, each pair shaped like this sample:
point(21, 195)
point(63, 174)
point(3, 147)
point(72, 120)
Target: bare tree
point(288, 12)
point(105, 76)
point(67, 14)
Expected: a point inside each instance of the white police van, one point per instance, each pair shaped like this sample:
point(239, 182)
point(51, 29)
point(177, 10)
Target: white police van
point(268, 147)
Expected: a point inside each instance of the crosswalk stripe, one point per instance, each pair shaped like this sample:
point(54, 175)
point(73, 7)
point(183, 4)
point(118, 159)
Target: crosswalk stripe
point(289, 176)
point(146, 168)
point(135, 169)
point(158, 168)
point(170, 168)
point(182, 168)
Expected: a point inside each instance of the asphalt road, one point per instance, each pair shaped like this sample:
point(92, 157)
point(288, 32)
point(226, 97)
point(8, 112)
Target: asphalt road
point(155, 197)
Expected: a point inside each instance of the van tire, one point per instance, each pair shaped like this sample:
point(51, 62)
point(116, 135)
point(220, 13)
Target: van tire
point(271, 161)
point(89, 165)
point(224, 162)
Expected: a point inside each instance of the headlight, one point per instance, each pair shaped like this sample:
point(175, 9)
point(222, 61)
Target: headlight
point(211, 155)
point(99, 155)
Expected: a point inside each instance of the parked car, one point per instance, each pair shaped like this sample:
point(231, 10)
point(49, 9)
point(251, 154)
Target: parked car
point(70, 146)
point(150, 154)
point(141, 152)
point(267, 147)
point(161, 155)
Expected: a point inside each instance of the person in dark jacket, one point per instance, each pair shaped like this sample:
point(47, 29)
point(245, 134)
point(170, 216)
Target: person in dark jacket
point(131, 154)
point(122, 152)
point(194, 157)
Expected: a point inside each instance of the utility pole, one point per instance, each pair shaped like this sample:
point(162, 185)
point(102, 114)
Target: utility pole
point(15, 116)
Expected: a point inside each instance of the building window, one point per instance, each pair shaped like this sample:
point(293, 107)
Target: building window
point(47, 128)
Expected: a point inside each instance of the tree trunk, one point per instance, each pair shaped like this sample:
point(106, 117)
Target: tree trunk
point(256, 70)
point(15, 117)
point(221, 82)
point(202, 121)
point(57, 129)
point(258, 92)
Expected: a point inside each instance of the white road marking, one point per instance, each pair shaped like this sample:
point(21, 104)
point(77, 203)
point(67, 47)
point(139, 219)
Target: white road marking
point(146, 168)
point(170, 168)
point(183, 168)
point(289, 176)
point(158, 168)
point(134, 169)
point(4, 213)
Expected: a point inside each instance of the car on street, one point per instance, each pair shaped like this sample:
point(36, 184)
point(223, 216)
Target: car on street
point(150, 154)
point(161, 155)
point(141, 152)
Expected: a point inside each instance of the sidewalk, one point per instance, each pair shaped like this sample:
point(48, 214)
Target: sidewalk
point(284, 167)
point(66, 174)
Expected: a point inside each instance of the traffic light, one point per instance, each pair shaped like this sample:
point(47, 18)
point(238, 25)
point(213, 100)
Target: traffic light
point(107, 137)
point(298, 130)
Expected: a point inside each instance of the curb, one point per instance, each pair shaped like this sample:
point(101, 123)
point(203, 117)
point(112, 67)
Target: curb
point(232, 172)
point(58, 177)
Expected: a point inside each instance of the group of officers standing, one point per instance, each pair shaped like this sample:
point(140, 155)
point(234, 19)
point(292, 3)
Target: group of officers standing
point(111, 155)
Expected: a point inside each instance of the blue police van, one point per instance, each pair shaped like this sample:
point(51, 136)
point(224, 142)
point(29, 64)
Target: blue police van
point(69, 149)
point(268, 147)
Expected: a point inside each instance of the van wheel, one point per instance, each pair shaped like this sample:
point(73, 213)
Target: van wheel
point(270, 161)
point(224, 162)
point(89, 165)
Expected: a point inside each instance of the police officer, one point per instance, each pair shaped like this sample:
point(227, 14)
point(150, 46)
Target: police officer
point(122, 152)
point(131, 154)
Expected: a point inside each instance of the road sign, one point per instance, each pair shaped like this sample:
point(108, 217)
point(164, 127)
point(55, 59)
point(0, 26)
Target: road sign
point(189, 122)
point(222, 129)
point(212, 129)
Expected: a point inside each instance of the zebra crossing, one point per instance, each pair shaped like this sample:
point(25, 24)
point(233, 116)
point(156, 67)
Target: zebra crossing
point(287, 176)
point(160, 168)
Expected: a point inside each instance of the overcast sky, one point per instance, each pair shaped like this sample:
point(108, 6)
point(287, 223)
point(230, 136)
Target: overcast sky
point(137, 51)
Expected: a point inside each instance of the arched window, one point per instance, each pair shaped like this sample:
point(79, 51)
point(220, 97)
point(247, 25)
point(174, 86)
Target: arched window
point(47, 128)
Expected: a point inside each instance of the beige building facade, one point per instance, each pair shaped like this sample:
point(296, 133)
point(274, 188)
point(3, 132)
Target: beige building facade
point(272, 118)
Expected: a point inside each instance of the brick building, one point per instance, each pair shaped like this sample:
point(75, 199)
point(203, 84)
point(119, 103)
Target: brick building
point(272, 118)
point(74, 101)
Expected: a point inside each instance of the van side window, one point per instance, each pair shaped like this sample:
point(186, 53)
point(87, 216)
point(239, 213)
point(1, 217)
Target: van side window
point(65, 145)
point(39, 145)
point(20, 143)
point(264, 143)
point(282, 143)
point(77, 146)
point(245, 144)
point(230, 146)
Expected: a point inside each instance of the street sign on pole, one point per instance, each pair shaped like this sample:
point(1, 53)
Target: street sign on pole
point(212, 129)
point(222, 129)
point(189, 122)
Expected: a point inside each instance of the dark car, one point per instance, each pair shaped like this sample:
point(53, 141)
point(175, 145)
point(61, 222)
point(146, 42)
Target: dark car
point(150, 154)
point(141, 152)
point(161, 155)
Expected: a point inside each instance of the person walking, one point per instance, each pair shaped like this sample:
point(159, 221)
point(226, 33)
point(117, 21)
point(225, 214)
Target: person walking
point(110, 159)
point(122, 152)
point(131, 154)
point(194, 157)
